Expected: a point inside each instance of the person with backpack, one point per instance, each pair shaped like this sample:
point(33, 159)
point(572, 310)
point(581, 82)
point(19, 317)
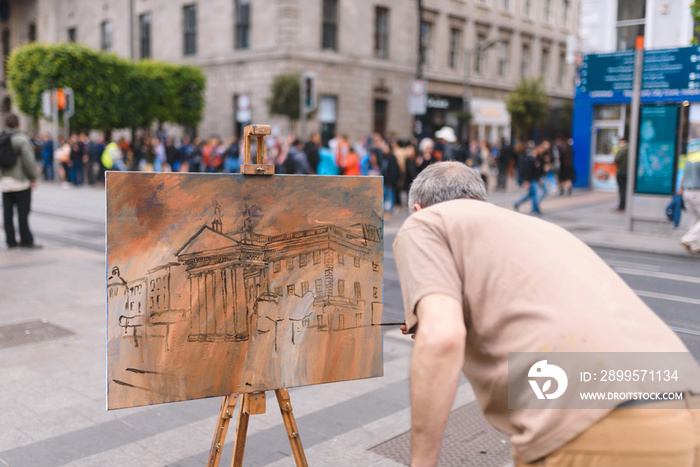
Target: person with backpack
point(18, 177)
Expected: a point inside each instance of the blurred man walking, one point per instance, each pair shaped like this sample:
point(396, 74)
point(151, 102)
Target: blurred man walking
point(17, 181)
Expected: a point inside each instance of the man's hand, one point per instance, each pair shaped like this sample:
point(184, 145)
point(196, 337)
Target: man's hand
point(406, 332)
point(33, 185)
point(438, 357)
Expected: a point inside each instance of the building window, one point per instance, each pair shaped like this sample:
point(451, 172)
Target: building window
point(145, 35)
point(290, 264)
point(565, 12)
point(319, 286)
point(277, 266)
point(375, 292)
point(426, 41)
point(381, 32)
point(357, 262)
point(358, 319)
point(341, 259)
point(503, 58)
point(358, 291)
point(562, 68)
point(304, 287)
point(327, 115)
point(290, 289)
point(329, 39)
point(31, 33)
point(303, 259)
point(528, 8)
point(480, 54)
point(375, 266)
point(278, 291)
point(630, 22)
point(189, 29)
point(242, 11)
point(455, 48)
point(547, 10)
point(317, 257)
point(72, 35)
point(106, 36)
point(505, 4)
point(381, 110)
point(319, 320)
point(341, 288)
point(525, 61)
point(544, 64)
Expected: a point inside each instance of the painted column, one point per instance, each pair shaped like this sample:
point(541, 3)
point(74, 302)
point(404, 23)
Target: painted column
point(240, 314)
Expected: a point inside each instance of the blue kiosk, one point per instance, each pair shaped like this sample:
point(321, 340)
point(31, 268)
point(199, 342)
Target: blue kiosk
point(669, 120)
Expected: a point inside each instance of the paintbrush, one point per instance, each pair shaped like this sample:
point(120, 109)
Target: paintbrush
point(392, 324)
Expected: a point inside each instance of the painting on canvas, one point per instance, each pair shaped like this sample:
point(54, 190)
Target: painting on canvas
point(220, 284)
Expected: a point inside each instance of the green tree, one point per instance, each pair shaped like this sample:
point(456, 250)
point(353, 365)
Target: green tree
point(528, 106)
point(284, 96)
point(110, 92)
point(175, 92)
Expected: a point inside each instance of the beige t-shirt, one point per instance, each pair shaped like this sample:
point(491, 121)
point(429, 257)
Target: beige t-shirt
point(526, 285)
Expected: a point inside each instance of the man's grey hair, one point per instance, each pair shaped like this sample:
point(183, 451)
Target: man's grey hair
point(445, 181)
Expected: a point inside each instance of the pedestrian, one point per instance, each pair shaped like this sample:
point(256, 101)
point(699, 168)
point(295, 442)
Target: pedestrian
point(77, 157)
point(451, 151)
point(296, 162)
point(47, 158)
point(326, 162)
point(567, 173)
point(505, 155)
point(448, 254)
point(621, 163)
point(62, 155)
point(690, 189)
point(311, 149)
point(531, 173)
point(426, 154)
point(390, 172)
point(172, 155)
point(17, 182)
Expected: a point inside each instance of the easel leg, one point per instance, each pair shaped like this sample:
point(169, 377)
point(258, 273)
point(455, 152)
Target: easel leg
point(227, 407)
point(253, 403)
point(291, 425)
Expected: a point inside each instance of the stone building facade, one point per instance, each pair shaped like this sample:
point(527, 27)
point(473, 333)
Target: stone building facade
point(363, 53)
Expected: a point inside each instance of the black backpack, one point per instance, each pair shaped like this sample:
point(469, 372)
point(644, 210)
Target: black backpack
point(8, 158)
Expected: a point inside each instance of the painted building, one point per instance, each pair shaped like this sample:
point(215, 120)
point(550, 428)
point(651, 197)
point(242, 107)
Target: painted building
point(239, 282)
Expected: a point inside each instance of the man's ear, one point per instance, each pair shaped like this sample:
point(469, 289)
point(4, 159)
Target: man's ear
point(417, 207)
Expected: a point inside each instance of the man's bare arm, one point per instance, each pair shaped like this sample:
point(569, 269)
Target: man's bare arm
point(438, 357)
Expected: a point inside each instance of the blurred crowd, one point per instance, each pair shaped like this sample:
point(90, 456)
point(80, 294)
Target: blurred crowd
point(543, 169)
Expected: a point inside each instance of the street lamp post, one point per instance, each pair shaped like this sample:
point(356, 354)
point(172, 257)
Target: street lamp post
point(466, 97)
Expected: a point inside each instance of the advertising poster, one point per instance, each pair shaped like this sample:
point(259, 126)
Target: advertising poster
point(657, 149)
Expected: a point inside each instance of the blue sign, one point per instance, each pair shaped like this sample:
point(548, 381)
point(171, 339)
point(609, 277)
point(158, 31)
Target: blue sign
point(657, 149)
point(667, 74)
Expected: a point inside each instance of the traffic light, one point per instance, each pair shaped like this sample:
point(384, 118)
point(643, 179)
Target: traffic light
point(308, 89)
point(60, 99)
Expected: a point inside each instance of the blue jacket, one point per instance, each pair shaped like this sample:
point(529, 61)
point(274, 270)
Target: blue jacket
point(326, 163)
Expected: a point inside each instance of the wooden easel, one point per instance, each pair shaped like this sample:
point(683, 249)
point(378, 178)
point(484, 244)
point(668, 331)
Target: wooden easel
point(253, 403)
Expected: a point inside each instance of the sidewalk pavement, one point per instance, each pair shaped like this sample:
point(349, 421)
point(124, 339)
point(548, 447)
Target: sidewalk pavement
point(52, 364)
